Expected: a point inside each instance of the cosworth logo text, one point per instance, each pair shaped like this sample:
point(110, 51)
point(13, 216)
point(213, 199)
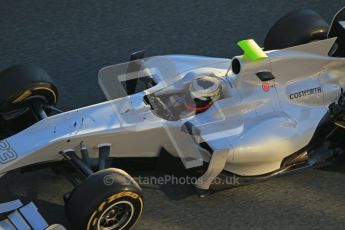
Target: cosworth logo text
point(305, 93)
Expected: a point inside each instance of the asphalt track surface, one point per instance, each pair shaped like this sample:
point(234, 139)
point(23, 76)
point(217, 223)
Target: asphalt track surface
point(72, 40)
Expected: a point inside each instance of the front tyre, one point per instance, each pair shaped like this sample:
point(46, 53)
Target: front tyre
point(24, 87)
point(109, 199)
point(23, 83)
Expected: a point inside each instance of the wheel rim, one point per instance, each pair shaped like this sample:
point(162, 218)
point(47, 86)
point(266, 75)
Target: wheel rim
point(117, 216)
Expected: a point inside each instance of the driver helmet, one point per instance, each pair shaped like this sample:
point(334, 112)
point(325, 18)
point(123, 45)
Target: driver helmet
point(204, 90)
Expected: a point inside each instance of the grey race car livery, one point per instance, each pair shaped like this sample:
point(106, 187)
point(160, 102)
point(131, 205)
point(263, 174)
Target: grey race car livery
point(258, 115)
point(249, 130)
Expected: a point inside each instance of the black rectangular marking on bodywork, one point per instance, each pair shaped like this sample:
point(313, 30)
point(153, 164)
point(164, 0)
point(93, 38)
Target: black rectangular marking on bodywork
point(265, 76)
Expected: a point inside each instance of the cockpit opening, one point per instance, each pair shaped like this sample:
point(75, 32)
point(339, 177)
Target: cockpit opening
point(193, 98)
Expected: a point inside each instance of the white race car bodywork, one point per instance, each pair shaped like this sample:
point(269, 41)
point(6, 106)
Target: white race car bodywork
point(249, 131)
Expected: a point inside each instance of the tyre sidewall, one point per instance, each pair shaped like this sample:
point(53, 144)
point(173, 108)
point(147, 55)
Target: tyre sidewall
point(127, 196)
point(92, 197)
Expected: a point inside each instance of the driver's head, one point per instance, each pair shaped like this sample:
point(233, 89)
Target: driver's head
point(204, 90)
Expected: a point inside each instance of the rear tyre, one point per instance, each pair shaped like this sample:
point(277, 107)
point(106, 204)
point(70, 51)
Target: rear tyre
point(108, 199)
point(296, 28)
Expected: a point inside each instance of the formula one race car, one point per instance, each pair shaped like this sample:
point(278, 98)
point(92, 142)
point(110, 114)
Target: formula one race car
point(266, 113)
